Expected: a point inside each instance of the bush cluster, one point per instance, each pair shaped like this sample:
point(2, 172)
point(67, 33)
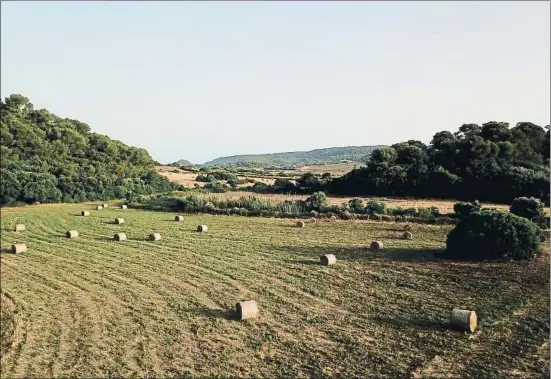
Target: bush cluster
point(316, 205)
point(46, 159)
point(493, 235)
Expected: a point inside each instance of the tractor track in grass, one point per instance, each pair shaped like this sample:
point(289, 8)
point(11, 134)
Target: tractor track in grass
point(92, 307)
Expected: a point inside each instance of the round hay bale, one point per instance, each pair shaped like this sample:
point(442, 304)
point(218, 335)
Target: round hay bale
point(333, 218)
point(105, 205)
point(99, 207)
point(328, 259)
point(313, 220)
point(463, 320)
point(19, 228)
point(124, 206)
point(301, 224)
point(542, 239)
point(120, 237)
point(202, 228)
point(407, 228)
point(71, 234)
point(119, 220)
point(179, 218)
point(85, 213)
point(246, 309)
point(18, 248)
point(407, 236)
point(376, 245)
point(154, 237)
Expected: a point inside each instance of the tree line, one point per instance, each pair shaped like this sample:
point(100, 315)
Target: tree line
point(46, 158)
point(490, 162)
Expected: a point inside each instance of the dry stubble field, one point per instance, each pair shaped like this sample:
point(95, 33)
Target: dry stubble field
point(92, 307)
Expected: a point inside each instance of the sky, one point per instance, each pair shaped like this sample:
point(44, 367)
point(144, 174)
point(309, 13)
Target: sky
point(200, 80)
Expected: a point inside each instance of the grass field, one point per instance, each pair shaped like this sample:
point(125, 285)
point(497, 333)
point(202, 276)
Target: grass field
point(92, 307)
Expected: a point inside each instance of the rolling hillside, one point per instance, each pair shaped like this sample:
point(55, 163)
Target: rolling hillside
point(296, 158)
point(49, 159)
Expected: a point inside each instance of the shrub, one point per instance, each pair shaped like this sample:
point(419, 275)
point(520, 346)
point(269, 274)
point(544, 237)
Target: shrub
point(346, 215)
point(402, 211)
point(464, 209)
point(430, 212)
point(317, 201)
point(493, 235)
point(530, 208)
point(375, 207)
point(356, 205)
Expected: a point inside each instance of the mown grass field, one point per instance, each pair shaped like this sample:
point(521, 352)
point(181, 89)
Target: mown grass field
point(92, 307)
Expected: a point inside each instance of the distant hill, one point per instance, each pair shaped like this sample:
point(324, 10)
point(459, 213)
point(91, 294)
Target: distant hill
point(329, 155)
point(181, 162)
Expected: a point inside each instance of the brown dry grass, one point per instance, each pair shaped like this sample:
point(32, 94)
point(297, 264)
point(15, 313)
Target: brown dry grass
point(176, 175)
point(336, 170)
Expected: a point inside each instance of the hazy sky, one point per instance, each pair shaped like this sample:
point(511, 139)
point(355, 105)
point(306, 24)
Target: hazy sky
point(207, 79)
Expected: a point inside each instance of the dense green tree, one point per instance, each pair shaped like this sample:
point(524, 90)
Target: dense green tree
point(46, 158)
point(491, 162)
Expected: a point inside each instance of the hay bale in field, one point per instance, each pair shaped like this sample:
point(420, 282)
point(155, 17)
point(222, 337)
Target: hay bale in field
point(99, 207)
point(119, 220)
point(85, 213)
point(18, 248)
point(333, 218)
point(202, 228)
point(328, 259)
point(407, 236)
point(71, 234)
point(154, 237)
point(301, 224)
point(19, 227)
point(105, 205)
point(246, 309)
point(179, 218)
point(124, 206)
point(120, 237)
point(542, 239)
point(313, 220)
point(463, 320)
point(376, 245)
point(407, 228)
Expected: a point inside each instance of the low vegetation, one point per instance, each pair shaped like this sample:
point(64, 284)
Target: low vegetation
point(316, 205)
point(531, 209)
point(93, 307)
point(493, 235)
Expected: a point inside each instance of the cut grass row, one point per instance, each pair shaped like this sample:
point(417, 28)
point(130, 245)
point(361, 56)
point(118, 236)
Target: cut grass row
point(92, 307)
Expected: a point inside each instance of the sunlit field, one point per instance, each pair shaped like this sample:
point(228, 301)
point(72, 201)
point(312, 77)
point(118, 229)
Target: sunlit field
point(93, 307)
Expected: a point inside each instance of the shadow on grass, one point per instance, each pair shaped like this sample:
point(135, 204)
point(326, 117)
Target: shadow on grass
point(309, 262)
point(6, 250)
point(413, 323)
point(358, 253)
point(104, 238)
point(214, 313)
point(294, 225)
